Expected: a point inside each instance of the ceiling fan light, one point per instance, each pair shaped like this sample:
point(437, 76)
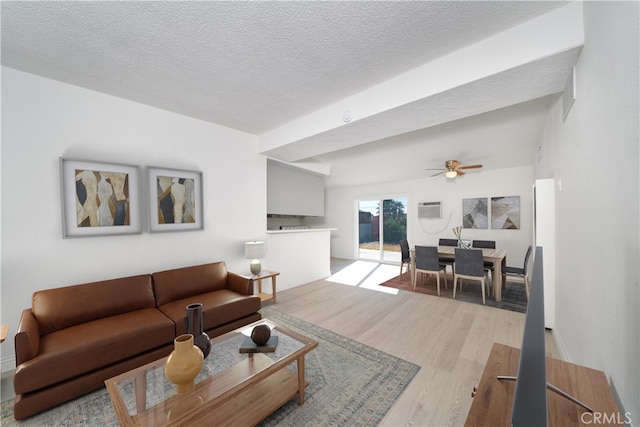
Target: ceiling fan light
point(451, 174)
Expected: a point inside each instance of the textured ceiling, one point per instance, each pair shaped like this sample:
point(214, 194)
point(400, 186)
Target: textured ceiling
point(256, 66)
point(251, 66)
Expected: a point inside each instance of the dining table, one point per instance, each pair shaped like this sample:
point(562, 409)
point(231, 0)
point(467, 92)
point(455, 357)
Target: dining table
point(497, 256)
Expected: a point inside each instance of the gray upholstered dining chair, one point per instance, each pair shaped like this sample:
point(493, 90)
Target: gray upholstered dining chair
point(427, 262)
point(486, 244)
point(469, 265)
point(519, 272)
point(405, 256)
point(447, 242)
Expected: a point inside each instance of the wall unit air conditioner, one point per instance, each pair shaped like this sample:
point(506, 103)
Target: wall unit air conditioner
point(430, 210)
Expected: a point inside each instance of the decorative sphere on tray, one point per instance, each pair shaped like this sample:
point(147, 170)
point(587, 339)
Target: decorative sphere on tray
point(261, 334)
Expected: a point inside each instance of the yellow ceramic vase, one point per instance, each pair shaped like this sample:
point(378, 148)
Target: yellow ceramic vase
point(184, 363)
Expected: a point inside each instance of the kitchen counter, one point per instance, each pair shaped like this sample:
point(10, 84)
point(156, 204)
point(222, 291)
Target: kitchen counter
point(300, 230)
point(301, 256)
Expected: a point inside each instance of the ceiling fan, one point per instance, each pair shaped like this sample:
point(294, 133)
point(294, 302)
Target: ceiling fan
point(453, 168)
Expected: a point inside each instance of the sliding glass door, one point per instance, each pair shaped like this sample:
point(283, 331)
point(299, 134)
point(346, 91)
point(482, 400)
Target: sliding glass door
point(382, 224)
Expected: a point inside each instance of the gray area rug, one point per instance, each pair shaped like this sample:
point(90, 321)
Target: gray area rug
point(514, 297)
point(350, 384)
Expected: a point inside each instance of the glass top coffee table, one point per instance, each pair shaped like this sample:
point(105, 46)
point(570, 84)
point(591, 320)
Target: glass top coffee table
point(232, 388)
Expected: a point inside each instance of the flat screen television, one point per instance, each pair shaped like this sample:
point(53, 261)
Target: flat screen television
point(530, 398)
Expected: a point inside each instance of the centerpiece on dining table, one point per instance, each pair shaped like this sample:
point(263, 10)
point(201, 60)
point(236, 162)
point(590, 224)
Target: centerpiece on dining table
point(457, 231)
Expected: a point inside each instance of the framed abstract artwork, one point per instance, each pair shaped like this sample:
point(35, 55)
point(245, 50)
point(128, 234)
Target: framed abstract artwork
point(505, 213)
point(475, 213)
point(175, 200)
point(99, 198)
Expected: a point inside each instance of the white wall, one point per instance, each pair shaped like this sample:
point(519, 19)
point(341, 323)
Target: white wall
point(504, 182)
point(43, 120)
point(595, 158)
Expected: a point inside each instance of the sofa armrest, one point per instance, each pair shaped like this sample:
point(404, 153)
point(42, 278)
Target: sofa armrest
point(27, 339)
point(240, 284)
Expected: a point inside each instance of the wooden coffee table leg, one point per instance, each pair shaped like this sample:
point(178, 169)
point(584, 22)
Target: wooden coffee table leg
point(140, 384)
point(301, 382)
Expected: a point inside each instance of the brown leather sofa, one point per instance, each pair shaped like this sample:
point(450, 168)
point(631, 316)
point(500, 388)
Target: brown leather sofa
point(74, 338)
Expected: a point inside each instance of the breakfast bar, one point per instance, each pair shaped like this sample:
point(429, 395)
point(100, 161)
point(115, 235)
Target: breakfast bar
point(300, 255)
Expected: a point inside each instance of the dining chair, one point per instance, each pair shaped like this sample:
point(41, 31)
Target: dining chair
point(427, 262)
point(447, 242)
point(519, 272)
point(486, 244)
point(405, 256)
point(469, 265)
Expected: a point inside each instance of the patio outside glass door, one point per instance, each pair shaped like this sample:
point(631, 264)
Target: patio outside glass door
point(378, 239)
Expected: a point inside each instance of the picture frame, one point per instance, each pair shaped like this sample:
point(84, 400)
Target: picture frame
point(173, 191)
point(475, 213)
point(505, 213)
point(99, 198)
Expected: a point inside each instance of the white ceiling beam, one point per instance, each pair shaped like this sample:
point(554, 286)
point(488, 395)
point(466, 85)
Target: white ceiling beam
point(532, 58)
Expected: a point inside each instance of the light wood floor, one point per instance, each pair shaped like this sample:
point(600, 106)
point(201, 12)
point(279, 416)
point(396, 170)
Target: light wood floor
point(450, 340)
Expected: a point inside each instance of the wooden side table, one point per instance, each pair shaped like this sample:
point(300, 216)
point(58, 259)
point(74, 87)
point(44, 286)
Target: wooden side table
point(493, 399)
point(265, 274)
point(4, 330)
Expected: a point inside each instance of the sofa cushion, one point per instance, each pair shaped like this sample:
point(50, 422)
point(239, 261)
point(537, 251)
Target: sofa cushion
point(60, 308)
point(83, 348)
point(179, 283)
point(219, 307)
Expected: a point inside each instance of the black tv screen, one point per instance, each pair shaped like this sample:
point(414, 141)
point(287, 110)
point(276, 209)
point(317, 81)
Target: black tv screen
point(530, 399)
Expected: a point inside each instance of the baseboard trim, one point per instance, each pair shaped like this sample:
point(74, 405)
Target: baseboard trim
point(8, 363)
point(562, 349)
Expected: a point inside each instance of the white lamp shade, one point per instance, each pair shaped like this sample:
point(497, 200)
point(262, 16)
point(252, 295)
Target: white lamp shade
point(451, 174)
point(254, 250)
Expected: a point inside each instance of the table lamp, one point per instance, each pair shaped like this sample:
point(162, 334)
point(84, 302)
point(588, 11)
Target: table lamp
point(254, 251)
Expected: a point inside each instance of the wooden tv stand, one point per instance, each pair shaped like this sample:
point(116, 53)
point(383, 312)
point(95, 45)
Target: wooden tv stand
point(493, 398)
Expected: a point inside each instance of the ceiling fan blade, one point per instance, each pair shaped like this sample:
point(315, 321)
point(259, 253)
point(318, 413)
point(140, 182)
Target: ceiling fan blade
point(439, 173)
point(470, 167)
point(459, 172)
